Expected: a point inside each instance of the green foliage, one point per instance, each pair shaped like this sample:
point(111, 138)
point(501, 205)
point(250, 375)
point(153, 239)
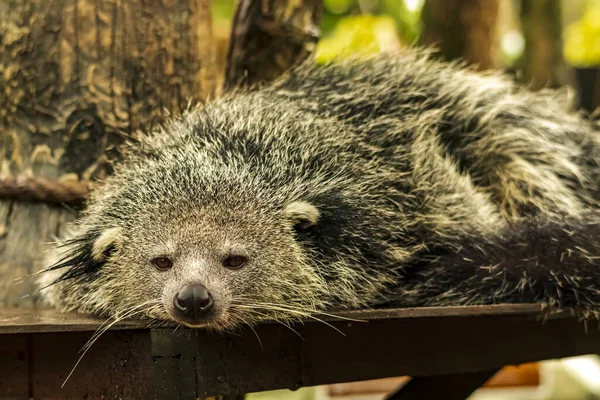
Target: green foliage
point(405, 13)
point(408, 19)
point(223, 9)
point(339, 6)
point(582, 38)
point(360, 35)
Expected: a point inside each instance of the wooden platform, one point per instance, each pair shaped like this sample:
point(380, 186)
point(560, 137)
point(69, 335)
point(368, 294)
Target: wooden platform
point(452, 344)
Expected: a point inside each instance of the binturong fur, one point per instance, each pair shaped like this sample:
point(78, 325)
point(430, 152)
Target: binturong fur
point(397, 180)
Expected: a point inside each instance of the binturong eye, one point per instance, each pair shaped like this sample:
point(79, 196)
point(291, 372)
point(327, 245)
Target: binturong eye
point(235, 262)
point(162, 263)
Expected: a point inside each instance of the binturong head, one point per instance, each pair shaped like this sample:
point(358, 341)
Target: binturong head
point(205, 267)
point(181, 235)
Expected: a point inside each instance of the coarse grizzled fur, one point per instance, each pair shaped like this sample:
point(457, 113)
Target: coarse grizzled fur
point(395, 180)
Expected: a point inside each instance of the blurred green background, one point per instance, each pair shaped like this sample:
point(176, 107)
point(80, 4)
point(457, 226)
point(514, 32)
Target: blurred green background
point(542, 43)
point(366, 25)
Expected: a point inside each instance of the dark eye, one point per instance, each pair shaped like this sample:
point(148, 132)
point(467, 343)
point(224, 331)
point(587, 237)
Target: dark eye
point(162, 263)
point(234, 262)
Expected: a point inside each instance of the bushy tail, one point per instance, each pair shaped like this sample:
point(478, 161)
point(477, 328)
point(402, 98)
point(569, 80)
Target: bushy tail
point(557, 264)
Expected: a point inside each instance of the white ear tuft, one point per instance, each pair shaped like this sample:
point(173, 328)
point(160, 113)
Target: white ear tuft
point(302, 214)
point(108, 238)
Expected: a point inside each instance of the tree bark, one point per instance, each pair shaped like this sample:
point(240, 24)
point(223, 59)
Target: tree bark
point(542, 64)
point(463, 29)
point(588, 89)
point(77, 77)
point(269, 37)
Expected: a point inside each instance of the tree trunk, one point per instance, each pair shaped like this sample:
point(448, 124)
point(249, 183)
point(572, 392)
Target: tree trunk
point(463, 29)
point(588, 89)
point(270, 36)
point(77, 77)
point(542, 64)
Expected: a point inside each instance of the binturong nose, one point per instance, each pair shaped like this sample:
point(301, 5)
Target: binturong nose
point(193, 301)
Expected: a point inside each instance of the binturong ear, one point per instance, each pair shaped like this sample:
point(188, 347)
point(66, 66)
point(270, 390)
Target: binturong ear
point(105, 243)
point(83, 255)
point(302, 214)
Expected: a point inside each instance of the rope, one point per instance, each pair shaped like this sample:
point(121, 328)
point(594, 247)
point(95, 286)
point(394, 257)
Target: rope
point(44, 190)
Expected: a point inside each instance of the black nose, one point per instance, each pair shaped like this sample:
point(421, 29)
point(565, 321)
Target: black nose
point(193, 301)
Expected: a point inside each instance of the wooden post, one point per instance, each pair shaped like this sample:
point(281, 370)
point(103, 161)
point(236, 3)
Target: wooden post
point(77, 77)
point(270, 36)
point(463, 29)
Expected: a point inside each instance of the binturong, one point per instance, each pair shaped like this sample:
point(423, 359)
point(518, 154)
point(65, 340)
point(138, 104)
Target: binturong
point(391, 181)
